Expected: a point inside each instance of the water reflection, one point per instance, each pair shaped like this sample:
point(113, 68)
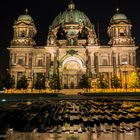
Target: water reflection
point(71, 120)
point(106, 132)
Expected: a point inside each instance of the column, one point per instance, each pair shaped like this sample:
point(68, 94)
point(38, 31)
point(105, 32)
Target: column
point(134, 59)
point(89, 63)
point(15, 79)
point(26, 60)
point(96, 63)
point(117, 32)
point(55, 62)
point(92, 59)
point(14, 61)
point(131, 56)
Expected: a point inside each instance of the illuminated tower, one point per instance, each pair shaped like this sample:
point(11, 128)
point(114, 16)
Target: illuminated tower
point(21, 49)
point(123, 46)
point(24, 31)
point(119, 30)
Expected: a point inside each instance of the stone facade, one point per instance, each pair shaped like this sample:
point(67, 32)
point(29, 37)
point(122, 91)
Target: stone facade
point(72, 48)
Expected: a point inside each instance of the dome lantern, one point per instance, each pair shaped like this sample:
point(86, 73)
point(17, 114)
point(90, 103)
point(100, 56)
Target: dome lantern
point(71, 5)
point(26, 10)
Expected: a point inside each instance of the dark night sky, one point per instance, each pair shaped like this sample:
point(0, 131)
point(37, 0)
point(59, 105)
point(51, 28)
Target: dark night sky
point(44, 11)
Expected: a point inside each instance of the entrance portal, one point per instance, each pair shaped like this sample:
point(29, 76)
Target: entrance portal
point(72, 69)
point(71, 81)
point(72, 85)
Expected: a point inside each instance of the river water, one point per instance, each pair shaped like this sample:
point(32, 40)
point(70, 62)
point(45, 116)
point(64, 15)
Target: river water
point(73, 120)
point(105, 134)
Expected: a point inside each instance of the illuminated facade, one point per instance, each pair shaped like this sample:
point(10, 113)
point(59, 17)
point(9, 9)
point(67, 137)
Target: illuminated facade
point(72, 48)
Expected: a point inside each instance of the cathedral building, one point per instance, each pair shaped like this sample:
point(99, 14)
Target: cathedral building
point(72, 48)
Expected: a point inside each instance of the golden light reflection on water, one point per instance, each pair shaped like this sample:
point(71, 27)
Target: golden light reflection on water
point(131, 135)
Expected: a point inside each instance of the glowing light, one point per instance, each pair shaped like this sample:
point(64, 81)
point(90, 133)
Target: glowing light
point(3, 100)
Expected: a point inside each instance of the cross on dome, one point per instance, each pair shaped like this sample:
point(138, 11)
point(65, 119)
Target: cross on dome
point(117, 10)
point(26, 11)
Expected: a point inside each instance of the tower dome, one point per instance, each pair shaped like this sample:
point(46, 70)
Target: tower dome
point(25, 18)
point(118, 16)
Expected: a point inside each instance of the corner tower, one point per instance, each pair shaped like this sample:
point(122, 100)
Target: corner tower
point(119, 30)
point(123, 46)
point(21, 49)
point(24, 31)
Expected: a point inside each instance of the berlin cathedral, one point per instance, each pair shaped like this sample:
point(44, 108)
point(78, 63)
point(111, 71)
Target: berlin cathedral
point(72, 48)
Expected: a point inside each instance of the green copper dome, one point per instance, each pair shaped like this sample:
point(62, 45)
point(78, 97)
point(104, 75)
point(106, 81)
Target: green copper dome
point(118, 16)
point(25, 18)
point(71, 15)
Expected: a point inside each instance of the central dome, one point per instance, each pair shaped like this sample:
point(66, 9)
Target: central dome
point(70, 16)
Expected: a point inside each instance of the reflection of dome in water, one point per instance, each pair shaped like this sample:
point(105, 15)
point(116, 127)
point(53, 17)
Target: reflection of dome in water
point(71, 15)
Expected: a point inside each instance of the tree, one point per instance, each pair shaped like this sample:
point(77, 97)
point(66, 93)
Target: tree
point(134, 80)
point(115, 82)
point(55, 82)
point(8, 81)
point(40, 81)
point(22, 83)
point(85, 83)
point(102, 82)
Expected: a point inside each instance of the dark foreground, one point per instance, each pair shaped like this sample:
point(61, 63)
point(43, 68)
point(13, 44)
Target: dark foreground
point(98, 116)
point(57, 116)
point(122, 96)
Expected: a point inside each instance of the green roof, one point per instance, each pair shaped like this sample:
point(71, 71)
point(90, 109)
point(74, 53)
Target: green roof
point(71, 15)
point(119, 16)
point(25, 17)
